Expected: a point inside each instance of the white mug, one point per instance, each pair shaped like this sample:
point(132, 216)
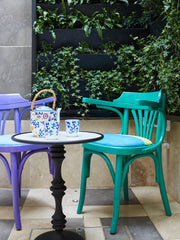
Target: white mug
point(72, 127)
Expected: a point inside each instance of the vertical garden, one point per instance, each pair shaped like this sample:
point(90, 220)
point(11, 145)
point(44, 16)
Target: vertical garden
point(101, 48)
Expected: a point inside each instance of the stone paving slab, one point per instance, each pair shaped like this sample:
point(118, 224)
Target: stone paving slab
point(6, 197)
point(131, 228)
point(105, 197)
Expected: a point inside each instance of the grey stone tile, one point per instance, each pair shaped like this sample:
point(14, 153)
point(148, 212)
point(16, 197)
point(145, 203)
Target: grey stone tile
point(134, 228)
point(5, 228)
point(15, 23)
point(105, 197)
point(74, 223)
point(15, 70)
point(6, 197)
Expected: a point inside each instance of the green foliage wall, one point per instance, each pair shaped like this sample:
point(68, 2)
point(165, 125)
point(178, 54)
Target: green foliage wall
point(149, 64)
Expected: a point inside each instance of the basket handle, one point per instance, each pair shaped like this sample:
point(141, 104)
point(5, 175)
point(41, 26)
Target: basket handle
point(44, 90)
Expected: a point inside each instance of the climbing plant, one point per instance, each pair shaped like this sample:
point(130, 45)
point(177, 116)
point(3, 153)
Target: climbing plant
point(149, 64)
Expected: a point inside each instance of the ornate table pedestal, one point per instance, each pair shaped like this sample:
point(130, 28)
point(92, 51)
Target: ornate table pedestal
point(58, 185)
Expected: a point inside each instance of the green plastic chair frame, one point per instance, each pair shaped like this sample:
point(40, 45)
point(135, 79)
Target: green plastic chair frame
point(148, 112)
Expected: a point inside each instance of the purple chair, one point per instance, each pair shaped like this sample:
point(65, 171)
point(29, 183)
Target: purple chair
point(19, 152)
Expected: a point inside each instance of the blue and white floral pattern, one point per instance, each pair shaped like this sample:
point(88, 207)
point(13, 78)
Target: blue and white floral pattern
point(72, 127)
point(52, 129)
point(39, 119)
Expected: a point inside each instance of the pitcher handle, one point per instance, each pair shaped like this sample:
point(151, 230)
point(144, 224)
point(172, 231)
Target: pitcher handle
point(44, 90)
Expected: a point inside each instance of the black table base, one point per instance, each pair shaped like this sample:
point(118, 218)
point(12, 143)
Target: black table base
point(58, 187)
point(59, 235)
point(58, 190)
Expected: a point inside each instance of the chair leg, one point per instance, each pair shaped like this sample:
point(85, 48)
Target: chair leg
point(125, 184)
point(162, 186)
point(117, 194)
point(125, 189)
point(18, 160)
point(84, 175)
point(15, 190)
point(19, 186)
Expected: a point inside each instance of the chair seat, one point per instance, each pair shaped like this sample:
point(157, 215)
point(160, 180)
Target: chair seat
point(119, 140)
point(115, 142)
point(6, 140)
point(6, 143)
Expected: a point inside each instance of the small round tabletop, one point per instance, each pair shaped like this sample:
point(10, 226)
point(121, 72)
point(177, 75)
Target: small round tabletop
point(62, 138)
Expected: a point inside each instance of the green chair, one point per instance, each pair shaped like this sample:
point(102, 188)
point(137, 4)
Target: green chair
point(148, 112)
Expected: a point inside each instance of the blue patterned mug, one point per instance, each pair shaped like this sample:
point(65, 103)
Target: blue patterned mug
point(72, 127)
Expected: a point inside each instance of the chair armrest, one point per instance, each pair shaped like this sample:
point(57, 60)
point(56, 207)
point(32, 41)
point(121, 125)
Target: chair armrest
point(105, 105)
point(142, 104)
point(97, 102)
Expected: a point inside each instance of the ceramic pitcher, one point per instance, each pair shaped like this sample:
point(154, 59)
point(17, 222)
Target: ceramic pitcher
point(45, 120)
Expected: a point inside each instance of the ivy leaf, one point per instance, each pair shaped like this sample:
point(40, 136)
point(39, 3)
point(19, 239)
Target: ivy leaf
point(99, 30)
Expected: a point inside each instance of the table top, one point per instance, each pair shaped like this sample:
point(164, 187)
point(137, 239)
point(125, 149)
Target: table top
point(82, 137)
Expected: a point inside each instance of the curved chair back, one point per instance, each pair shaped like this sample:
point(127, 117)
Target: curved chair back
point(148, 112)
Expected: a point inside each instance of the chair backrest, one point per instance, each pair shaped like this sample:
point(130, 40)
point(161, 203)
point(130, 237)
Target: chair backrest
point(15, 102)
point(147, 110)
point(133, 98)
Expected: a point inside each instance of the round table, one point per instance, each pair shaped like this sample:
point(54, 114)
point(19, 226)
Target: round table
point(58, 185)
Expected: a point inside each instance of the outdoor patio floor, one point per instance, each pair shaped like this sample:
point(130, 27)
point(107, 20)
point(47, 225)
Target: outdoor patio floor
point(141, 218)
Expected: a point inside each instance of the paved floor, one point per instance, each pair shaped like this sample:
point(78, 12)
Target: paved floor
point(141, 218)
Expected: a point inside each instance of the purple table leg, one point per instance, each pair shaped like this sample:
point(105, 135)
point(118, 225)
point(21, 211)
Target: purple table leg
point(58, 190)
